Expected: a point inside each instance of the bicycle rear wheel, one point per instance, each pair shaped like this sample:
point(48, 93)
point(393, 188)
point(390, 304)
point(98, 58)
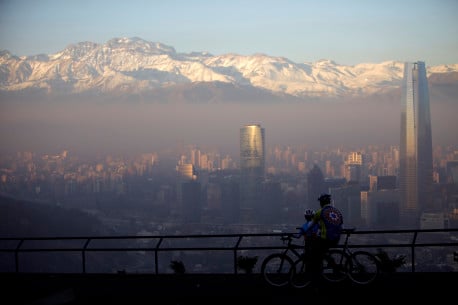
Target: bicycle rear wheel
point(275, 269)
point(300, 276)
point(363, 267)
point(335, 266)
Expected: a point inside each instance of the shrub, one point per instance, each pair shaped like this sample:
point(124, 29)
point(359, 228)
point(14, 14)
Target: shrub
point(247, 263)
point(388, 264)
point(177, 267)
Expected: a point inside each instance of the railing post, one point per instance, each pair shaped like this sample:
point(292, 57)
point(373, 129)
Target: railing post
point(16, 255)
point(235, 253)
point(84, 254)
point(414, 240)
point(156, 256)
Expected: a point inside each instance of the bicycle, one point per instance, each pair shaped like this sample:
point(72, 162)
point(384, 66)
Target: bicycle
point(361, 267)
point(276, 267)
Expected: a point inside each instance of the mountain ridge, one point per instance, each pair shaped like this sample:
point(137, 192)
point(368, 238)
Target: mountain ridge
point(153, 71)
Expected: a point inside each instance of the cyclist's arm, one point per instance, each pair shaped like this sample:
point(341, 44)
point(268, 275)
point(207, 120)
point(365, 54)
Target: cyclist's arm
point(315, 220)
point(300, 232)
point(311, 223)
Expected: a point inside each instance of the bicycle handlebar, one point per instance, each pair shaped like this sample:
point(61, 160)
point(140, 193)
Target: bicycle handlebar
point(286, 237)
point(348, 230)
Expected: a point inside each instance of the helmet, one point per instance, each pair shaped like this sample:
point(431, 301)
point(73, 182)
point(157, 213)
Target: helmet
point(309, 213)
point(324, 198)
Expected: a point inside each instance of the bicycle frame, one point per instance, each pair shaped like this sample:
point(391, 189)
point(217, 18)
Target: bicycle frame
point(276, 267)
point(361, 267)
point(291, 247)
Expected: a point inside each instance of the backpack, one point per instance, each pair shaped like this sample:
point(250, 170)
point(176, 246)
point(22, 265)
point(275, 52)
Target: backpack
point(333, 222)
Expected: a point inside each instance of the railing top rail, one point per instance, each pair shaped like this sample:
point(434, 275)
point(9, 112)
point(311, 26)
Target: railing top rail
point(403, 231)
point(238, 238)
point(192, 242)
point(234, 235)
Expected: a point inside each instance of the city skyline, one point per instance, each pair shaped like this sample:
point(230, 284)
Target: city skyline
point(149, 180)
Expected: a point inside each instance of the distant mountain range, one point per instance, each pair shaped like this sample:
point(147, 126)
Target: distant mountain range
point(132, 68)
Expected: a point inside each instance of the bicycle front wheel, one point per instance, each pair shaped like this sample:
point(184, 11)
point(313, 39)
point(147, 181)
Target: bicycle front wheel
point(363, 267)
point(275, 269)
point(335, 266)
point(300, 276)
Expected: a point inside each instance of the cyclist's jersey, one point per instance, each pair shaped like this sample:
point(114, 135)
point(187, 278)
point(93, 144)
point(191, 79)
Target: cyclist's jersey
point(330, 222)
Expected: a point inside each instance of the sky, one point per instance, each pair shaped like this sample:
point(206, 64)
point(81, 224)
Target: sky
point(349, 32)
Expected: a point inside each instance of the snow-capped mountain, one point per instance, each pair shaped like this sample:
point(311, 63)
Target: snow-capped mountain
point(135, 66)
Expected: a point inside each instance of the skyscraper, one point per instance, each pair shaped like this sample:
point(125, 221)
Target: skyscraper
point(315, 186)
point(252, 168)
point(415, 162)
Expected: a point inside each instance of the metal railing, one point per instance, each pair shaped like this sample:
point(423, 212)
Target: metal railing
point(413, 240)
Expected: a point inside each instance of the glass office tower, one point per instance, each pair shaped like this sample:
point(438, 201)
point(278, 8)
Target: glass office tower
point(252, 169)
point(415, 163)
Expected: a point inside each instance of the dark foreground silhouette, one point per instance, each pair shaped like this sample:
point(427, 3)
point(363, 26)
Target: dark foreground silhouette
point(72, 289)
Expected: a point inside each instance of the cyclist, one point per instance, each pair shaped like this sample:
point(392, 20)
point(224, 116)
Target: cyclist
point(308, 235)
point(303, 230)
point(330, 222)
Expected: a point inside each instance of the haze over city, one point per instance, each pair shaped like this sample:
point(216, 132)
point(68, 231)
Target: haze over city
point(147, 128)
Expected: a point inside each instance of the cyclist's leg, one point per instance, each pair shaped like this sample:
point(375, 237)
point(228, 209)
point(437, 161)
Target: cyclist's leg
point(318, 250)
point(300, 273)
point(334, 264)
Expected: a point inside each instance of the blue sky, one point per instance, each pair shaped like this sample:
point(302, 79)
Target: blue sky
point(348, 32)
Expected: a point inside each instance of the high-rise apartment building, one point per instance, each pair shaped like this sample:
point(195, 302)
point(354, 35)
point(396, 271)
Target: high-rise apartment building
point(415, 161)
point(354, 167)
point(252, 168)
